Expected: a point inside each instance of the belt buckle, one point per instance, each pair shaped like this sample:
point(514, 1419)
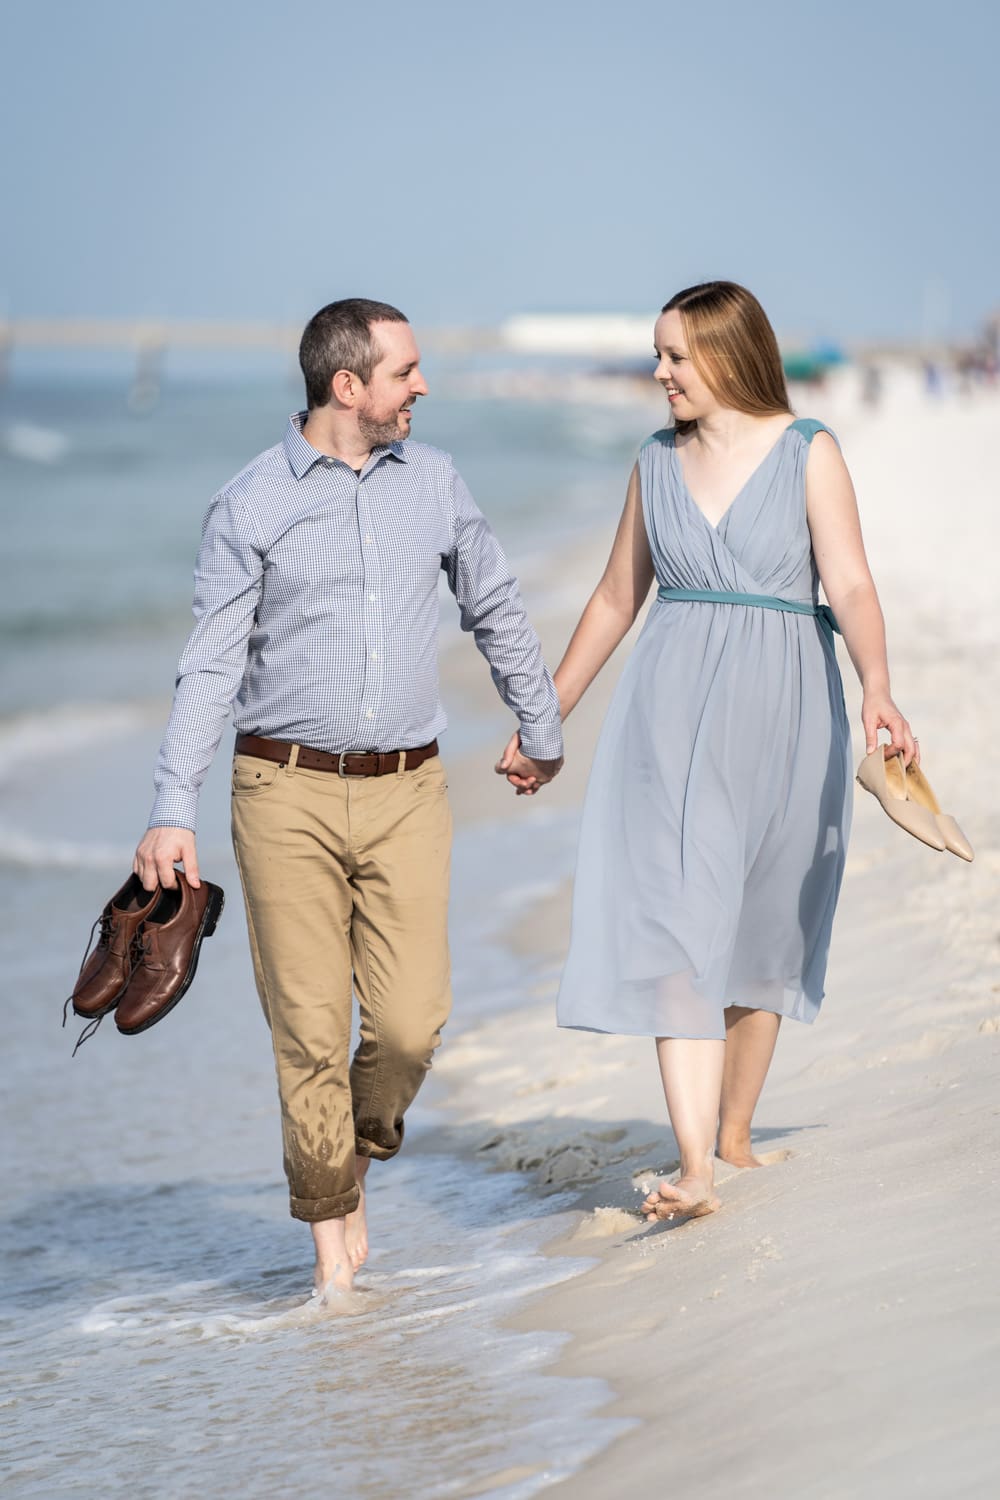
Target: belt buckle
point(348, 775)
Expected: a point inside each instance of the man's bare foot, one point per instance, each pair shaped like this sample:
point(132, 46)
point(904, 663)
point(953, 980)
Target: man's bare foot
point(356, 1232)
point(356, 1223)
point(734, 1147)
point(333, 1262)
point(690, 1197)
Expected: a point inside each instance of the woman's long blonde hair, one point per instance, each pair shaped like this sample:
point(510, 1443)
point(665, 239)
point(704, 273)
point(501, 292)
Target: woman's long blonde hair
point(733, 348)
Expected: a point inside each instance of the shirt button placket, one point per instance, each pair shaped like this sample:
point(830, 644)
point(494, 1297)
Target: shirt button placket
point(373, 624)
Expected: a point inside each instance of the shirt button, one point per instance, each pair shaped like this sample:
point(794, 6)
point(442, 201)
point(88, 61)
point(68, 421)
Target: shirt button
point(374, 656)
point(369, 713)
point(368, 540)
point(372, 597)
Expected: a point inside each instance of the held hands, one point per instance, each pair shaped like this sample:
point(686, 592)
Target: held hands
point(879, 712)
point(525, 775)
point(159, 850)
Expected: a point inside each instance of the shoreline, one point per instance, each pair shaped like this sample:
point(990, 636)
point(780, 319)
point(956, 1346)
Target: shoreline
point(851, 1306)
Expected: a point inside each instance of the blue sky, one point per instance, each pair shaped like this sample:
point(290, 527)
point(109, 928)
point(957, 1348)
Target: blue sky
point(253, 160)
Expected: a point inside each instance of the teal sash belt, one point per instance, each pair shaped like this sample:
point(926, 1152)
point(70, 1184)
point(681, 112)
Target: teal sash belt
point(823, 612)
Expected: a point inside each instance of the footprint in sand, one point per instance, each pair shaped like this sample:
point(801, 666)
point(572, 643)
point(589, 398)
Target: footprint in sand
point(929, 1044)
point(642, 1174)
point(726, 1171)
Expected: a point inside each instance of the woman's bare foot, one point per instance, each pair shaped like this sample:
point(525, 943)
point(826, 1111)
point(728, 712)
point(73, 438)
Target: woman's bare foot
point(733, 1146)
point(333, 1262)
point(689, 1197)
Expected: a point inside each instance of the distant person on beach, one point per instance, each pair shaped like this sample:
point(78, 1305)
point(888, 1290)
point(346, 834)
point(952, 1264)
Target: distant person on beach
point(317, 611)
point(871, 386)
point(715, 826)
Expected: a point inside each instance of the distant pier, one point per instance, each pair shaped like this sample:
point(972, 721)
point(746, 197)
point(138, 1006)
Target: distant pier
point(149, 341)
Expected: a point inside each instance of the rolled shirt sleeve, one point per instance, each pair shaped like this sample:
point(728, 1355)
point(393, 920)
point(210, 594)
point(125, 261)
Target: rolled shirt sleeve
point(228, 581)
point(490, 605)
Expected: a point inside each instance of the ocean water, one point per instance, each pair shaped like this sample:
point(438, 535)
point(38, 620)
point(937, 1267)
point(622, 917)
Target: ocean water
point(156, 1327)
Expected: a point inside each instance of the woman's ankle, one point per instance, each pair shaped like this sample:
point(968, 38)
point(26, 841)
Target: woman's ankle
point(699, 1162)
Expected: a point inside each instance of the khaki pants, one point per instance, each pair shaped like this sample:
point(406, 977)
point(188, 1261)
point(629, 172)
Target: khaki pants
point(346, 889)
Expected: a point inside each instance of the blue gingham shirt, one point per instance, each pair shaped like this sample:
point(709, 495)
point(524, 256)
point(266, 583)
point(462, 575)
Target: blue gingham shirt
point(316, 604)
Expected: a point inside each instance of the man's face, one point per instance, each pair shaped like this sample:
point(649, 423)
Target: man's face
point(386, 410)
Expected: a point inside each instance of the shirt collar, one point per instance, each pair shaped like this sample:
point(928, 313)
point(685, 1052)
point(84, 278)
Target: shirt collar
point(302, 455)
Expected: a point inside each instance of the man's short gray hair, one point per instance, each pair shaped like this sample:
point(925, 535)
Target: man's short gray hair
point(339, 337)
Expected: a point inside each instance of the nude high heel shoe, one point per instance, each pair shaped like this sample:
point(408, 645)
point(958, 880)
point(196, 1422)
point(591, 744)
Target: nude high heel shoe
point(918, 790)
point(886, 780)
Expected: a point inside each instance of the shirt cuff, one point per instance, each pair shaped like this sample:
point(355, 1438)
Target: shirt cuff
point(175, 809)
point(542, 741)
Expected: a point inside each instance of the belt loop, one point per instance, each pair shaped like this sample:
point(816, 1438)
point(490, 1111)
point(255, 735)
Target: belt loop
point(402, 763)
point(293, 760)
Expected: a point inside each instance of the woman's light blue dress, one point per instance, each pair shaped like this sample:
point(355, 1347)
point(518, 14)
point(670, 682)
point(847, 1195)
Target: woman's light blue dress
point(715, 825)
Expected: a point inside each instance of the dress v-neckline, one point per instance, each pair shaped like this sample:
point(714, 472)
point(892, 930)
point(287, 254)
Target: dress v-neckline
point(744, 486)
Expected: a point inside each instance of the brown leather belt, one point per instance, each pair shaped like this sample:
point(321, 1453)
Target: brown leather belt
point(350, 763)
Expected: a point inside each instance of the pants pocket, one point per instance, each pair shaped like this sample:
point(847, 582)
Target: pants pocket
point(252, 776)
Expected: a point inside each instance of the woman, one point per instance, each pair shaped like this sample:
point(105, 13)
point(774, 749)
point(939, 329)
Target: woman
point(716, 820)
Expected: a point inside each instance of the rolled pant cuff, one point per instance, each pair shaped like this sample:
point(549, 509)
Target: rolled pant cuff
point(315, 1210)
point(377, 1153)
point(380, 1142)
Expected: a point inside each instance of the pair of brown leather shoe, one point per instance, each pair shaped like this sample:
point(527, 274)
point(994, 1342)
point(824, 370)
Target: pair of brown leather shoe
point(146, 954)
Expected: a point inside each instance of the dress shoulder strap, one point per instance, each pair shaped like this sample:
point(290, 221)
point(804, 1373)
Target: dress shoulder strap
point(808, 426)
point(662, 435)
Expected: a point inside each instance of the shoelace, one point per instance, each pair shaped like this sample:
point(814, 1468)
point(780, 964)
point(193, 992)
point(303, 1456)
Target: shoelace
point(137, 953)
point(107, 925)
point(86, 1033)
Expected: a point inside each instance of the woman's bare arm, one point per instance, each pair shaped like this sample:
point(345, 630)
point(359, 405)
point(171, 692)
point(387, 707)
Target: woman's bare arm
point(607, 619)
point(835, 527)
point(613, 606)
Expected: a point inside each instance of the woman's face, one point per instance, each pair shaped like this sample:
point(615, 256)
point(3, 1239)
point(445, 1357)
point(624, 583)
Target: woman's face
point(687, 392)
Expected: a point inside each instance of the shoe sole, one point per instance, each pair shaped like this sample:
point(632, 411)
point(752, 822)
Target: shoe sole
point(209, 922)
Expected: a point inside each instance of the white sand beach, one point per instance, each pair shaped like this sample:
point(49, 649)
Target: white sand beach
point(833, 1331)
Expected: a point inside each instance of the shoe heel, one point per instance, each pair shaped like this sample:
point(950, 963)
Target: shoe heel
point(216, 902)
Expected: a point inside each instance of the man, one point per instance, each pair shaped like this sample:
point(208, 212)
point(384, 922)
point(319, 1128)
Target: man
point(317, 610)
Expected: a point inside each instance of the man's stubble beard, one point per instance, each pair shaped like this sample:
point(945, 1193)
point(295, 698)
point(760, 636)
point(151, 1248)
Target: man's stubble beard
point(380, 433)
